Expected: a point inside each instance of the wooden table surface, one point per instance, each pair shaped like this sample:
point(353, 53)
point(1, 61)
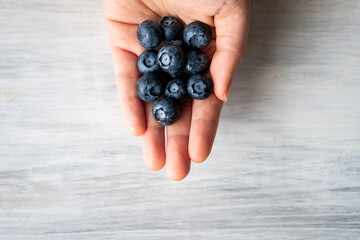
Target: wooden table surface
point(286, 159)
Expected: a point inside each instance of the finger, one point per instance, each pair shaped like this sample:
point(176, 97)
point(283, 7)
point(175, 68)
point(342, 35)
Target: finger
point(204, 122)
point(177, 157)
point(153, 142)
point(126, 77)
point(231, 25)
point(123, 11)
point(123, 36)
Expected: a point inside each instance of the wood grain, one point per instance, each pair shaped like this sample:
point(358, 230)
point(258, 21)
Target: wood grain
point(286, 160)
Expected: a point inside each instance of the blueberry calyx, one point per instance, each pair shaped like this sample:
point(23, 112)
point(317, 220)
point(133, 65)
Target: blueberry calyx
point(176, 89)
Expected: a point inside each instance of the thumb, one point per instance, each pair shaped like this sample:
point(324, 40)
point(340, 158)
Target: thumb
point(231, 26)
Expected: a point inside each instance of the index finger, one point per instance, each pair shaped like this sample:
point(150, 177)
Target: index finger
point(126, 77)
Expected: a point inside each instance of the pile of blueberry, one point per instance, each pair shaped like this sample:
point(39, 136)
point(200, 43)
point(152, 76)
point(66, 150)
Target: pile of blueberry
point(178, 63)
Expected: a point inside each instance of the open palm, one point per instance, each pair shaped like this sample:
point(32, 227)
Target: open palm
point(192, 136)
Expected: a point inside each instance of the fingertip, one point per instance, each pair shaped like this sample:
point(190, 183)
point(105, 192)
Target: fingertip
point(136, 123)
point(136, 131)
point(177, 175)
point(222, 79)
point(177, 158)
point(225, 98)
point(228, 90)
point(219, 93)
point(153, 149)
point(199, 149)
point(154, 165)
point(199, 158)
point(134, 115)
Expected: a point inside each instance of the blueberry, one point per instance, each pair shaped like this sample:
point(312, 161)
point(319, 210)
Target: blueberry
point(149, 87)
point(176, 89)
point(147, 62)
point(197, 34)
point(177, 42)
point(171, 59)
point(165, 111)
point(199, 87)
point(171, 27)
point(177, 74)
point(196, 62)
point(149, 34)
point(180, 43)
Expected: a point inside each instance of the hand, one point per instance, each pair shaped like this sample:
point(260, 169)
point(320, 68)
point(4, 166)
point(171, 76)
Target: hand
point(192, 136)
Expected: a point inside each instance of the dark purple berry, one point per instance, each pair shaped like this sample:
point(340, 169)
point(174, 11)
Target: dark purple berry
point(199, 87)
point(147, 62)
point(171, 27)
point(171, 59)
point(197, 34)
point(149, 34)
point(196, 62)
point(165, 111)
point(149, 87)
point(176, 89)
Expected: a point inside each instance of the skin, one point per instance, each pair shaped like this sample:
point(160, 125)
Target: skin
point(192, 136)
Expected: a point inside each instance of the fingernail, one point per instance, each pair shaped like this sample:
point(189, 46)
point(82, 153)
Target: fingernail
point(227, 92)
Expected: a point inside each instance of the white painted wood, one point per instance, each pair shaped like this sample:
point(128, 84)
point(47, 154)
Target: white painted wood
point(285, 164)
